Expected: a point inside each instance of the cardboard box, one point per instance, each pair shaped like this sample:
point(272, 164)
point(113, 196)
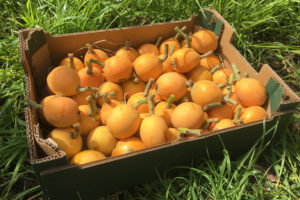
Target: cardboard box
point(61, 180)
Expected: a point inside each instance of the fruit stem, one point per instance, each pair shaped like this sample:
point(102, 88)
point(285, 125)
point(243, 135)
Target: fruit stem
point(94, 109)
point(34, 104)
point(166, 48)
point(172, 49)
point(158, 41)
point(215, 68)
point(209, 121)
point(107, 96)
point(71, 60)
point(229, 89)
point(246, 75)
point(127, 45)
point(237, 116)
point(90, 68)
point(221, 85)
point(139, 103)
point(150, 101)
point(173, 64)
point(233, 102)
point(90, 48)
point(76, 130)
point(236, 72)
point(229, 86)
point(96, 62)
point(148, 86)
point(125, 97)
point(85, 89)
point(186, 37)
point(136, 78)
point(177, 34)
point(170, 100)
point(211, 105)
point(189, 131)
point(189, 83)
point(206, 54)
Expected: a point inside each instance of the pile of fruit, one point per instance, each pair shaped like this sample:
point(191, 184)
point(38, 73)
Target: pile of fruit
point(140, 98)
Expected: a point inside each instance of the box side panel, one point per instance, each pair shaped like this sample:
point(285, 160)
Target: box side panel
point(115, 174)
point(111, 39)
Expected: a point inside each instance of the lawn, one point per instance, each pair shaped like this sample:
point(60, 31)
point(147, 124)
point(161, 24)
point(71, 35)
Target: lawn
point(267, 31)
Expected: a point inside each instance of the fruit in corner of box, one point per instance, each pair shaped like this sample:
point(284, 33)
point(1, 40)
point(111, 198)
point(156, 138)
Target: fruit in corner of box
point(152, 111)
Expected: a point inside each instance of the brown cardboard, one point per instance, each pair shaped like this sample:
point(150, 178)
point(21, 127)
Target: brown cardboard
point(60, 180)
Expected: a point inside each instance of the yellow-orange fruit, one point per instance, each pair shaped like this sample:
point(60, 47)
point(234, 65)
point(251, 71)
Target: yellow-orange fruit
point(250, 92)
point(61, 111)
point(130, 87)
point(210, 61)
point(224, 90)
point(148, 66)
point(144, 115)
point(157, 98)
point(101, 139)
point(223, 123)
point(232, 96)
point(187, 115)
point(130, 53)
point(65, 141)
point(205, 116)
point(124, 121)
point(63, 80)
point(117, 69)
point(110, 87)
point(183, 44)
point(153, 131)
point(78, 65)
point(199, 73)
point(204, 41)
point(221, 75)
point(253, 113)
point(95, 54)
point(163, 111)
point(40, 111)
point(80, 97)
point(171, 83)
point(166, 65)
point(94, 79)
point(185, 60)
point(172, 134)
point(87, 156)
point(236, 107)
point(205, 92)
point(170, 42)
point(87, 122)
point(136, 98)
point(221, 112)
point(106, 109)
point(148, 48)
point(128, 145)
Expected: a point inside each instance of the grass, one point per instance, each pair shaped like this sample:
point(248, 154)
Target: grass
point(267, 31)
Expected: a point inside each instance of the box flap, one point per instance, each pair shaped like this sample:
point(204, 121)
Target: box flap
point(275, 93)
point(209, 21)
